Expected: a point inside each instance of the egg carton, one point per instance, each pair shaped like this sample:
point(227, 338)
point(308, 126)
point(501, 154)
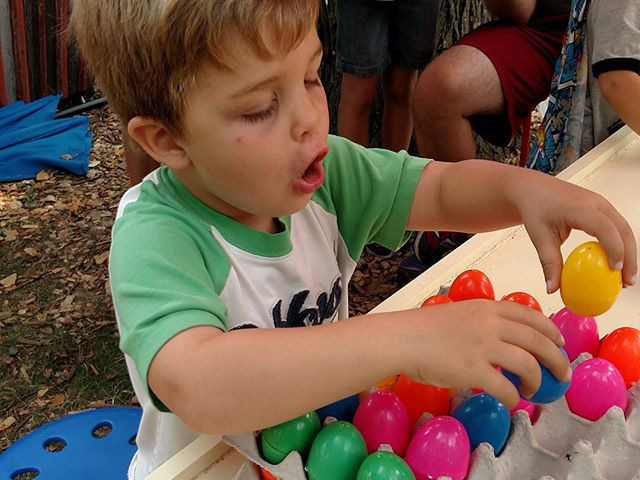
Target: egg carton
point(562, 446)
point(557, 446)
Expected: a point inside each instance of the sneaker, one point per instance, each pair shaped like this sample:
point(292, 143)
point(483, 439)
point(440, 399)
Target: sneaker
point(430, 247)
point(379, 251)
point(409, 269)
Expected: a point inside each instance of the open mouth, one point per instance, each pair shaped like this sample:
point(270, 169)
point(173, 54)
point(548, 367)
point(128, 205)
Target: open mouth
point(313, 177)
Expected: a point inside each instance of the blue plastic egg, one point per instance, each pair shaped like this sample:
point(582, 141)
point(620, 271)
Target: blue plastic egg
point(343, 409)
point(551, 389)
point(485, 419)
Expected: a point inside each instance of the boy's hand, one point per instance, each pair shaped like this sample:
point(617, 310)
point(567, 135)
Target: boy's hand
point(551, 209)
point(460, 344)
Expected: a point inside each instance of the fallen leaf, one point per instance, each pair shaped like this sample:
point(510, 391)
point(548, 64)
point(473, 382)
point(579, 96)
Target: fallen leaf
point(99, 259)
point(9, 281)
point(42, 176)
point(10, 235)
point(57, 400)
point(42, 392)
point(7, 422)
point(119, 151)
point(25, 375)
point(94, 163)
point(66, 303)
point(30, 251)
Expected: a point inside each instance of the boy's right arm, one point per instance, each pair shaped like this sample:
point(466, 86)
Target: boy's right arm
point(245, 380)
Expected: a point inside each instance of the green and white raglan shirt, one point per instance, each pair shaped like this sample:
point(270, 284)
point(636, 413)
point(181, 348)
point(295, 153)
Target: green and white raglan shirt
point(177, 264)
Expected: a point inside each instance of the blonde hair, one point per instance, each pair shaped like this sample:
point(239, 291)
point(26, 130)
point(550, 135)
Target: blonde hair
point(145, 54)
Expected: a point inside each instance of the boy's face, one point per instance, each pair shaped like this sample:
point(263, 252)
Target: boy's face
point(256, 136)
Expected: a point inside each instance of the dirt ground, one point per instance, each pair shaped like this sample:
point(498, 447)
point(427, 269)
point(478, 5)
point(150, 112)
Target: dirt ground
point(58, 338)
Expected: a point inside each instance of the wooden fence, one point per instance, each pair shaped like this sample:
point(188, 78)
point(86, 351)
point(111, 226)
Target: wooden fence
point(35, 55)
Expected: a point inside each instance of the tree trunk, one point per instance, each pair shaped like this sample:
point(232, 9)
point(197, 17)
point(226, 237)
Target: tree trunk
point(456, 18)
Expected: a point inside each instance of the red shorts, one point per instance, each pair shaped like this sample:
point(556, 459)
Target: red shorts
point(524, 57)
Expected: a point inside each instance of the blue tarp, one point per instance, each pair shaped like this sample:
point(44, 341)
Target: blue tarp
point(31, 140)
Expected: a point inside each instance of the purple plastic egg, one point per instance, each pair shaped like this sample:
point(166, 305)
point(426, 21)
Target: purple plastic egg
point(596, 386)
point(580, 333)
point(440, 448)
point(382, 418)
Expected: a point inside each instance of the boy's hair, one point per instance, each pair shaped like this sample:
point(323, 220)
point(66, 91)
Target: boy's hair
point(145, 54)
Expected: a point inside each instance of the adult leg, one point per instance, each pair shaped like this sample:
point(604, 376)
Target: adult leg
point(357, 95)
point(456, 85)
point(361, 56)
point(398, 84)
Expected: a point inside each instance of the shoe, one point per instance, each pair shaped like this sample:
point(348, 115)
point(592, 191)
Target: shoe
point(430, 247)
point(409, 269)
point(379, 251)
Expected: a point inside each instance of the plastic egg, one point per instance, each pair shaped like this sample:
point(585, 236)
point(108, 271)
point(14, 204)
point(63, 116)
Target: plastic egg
point(382, 418)
point(420, 398)
point(523, 299)
point(596, 386)
point(436, 300)
point(485, 419)
point(525, 406)
point(550, 390)
point(384, 466)
point(588, 285)
point(439, 448)
point(266, 474)
point(336, 453)
point(622, 349)
point(296, 434)
point(386, 385)
point(343, 409)
point(580, 333)
point(471, 284)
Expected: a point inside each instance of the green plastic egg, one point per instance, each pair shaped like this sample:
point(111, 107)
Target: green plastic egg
point(385, 466)
point(336, 453)
point(296, 434)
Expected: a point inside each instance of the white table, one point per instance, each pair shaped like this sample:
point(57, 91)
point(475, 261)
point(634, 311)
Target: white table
point(507, 257)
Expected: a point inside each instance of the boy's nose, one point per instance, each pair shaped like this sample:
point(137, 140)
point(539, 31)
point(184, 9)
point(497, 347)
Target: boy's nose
point(306, 117)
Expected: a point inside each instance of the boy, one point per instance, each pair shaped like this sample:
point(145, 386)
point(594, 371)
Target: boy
point(257, 217)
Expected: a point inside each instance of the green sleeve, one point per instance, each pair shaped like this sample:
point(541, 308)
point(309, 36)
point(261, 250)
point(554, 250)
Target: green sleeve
point(370, 191)
point(162, 284)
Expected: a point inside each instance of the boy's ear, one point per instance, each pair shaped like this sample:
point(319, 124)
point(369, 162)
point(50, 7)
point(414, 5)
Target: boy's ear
point(158, 142)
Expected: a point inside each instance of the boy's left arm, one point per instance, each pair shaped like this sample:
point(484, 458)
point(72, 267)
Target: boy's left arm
point(621, 89)
point(480, 195)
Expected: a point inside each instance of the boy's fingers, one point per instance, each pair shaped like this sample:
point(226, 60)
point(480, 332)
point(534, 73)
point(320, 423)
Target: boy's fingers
point(539, 346)
point(630, 270)
point(519, 314)
point(498, 386)
point(521, 363)
point(548, 247)
point(606, 231)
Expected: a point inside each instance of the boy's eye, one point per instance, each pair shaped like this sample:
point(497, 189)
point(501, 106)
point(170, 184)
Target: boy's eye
point(314, 82)
point(261, 116)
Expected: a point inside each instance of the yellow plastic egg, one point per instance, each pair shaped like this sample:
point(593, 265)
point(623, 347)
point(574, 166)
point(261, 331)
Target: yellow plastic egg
point(588, 286)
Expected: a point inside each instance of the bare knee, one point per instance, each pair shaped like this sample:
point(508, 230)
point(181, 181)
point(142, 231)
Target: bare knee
point(439, 90)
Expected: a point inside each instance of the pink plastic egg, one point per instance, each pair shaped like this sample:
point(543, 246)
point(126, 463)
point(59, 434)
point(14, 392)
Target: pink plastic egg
point(525, 406)
point(383, 418)
point(440, 447)
point(596, 386)
point(580, 333)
